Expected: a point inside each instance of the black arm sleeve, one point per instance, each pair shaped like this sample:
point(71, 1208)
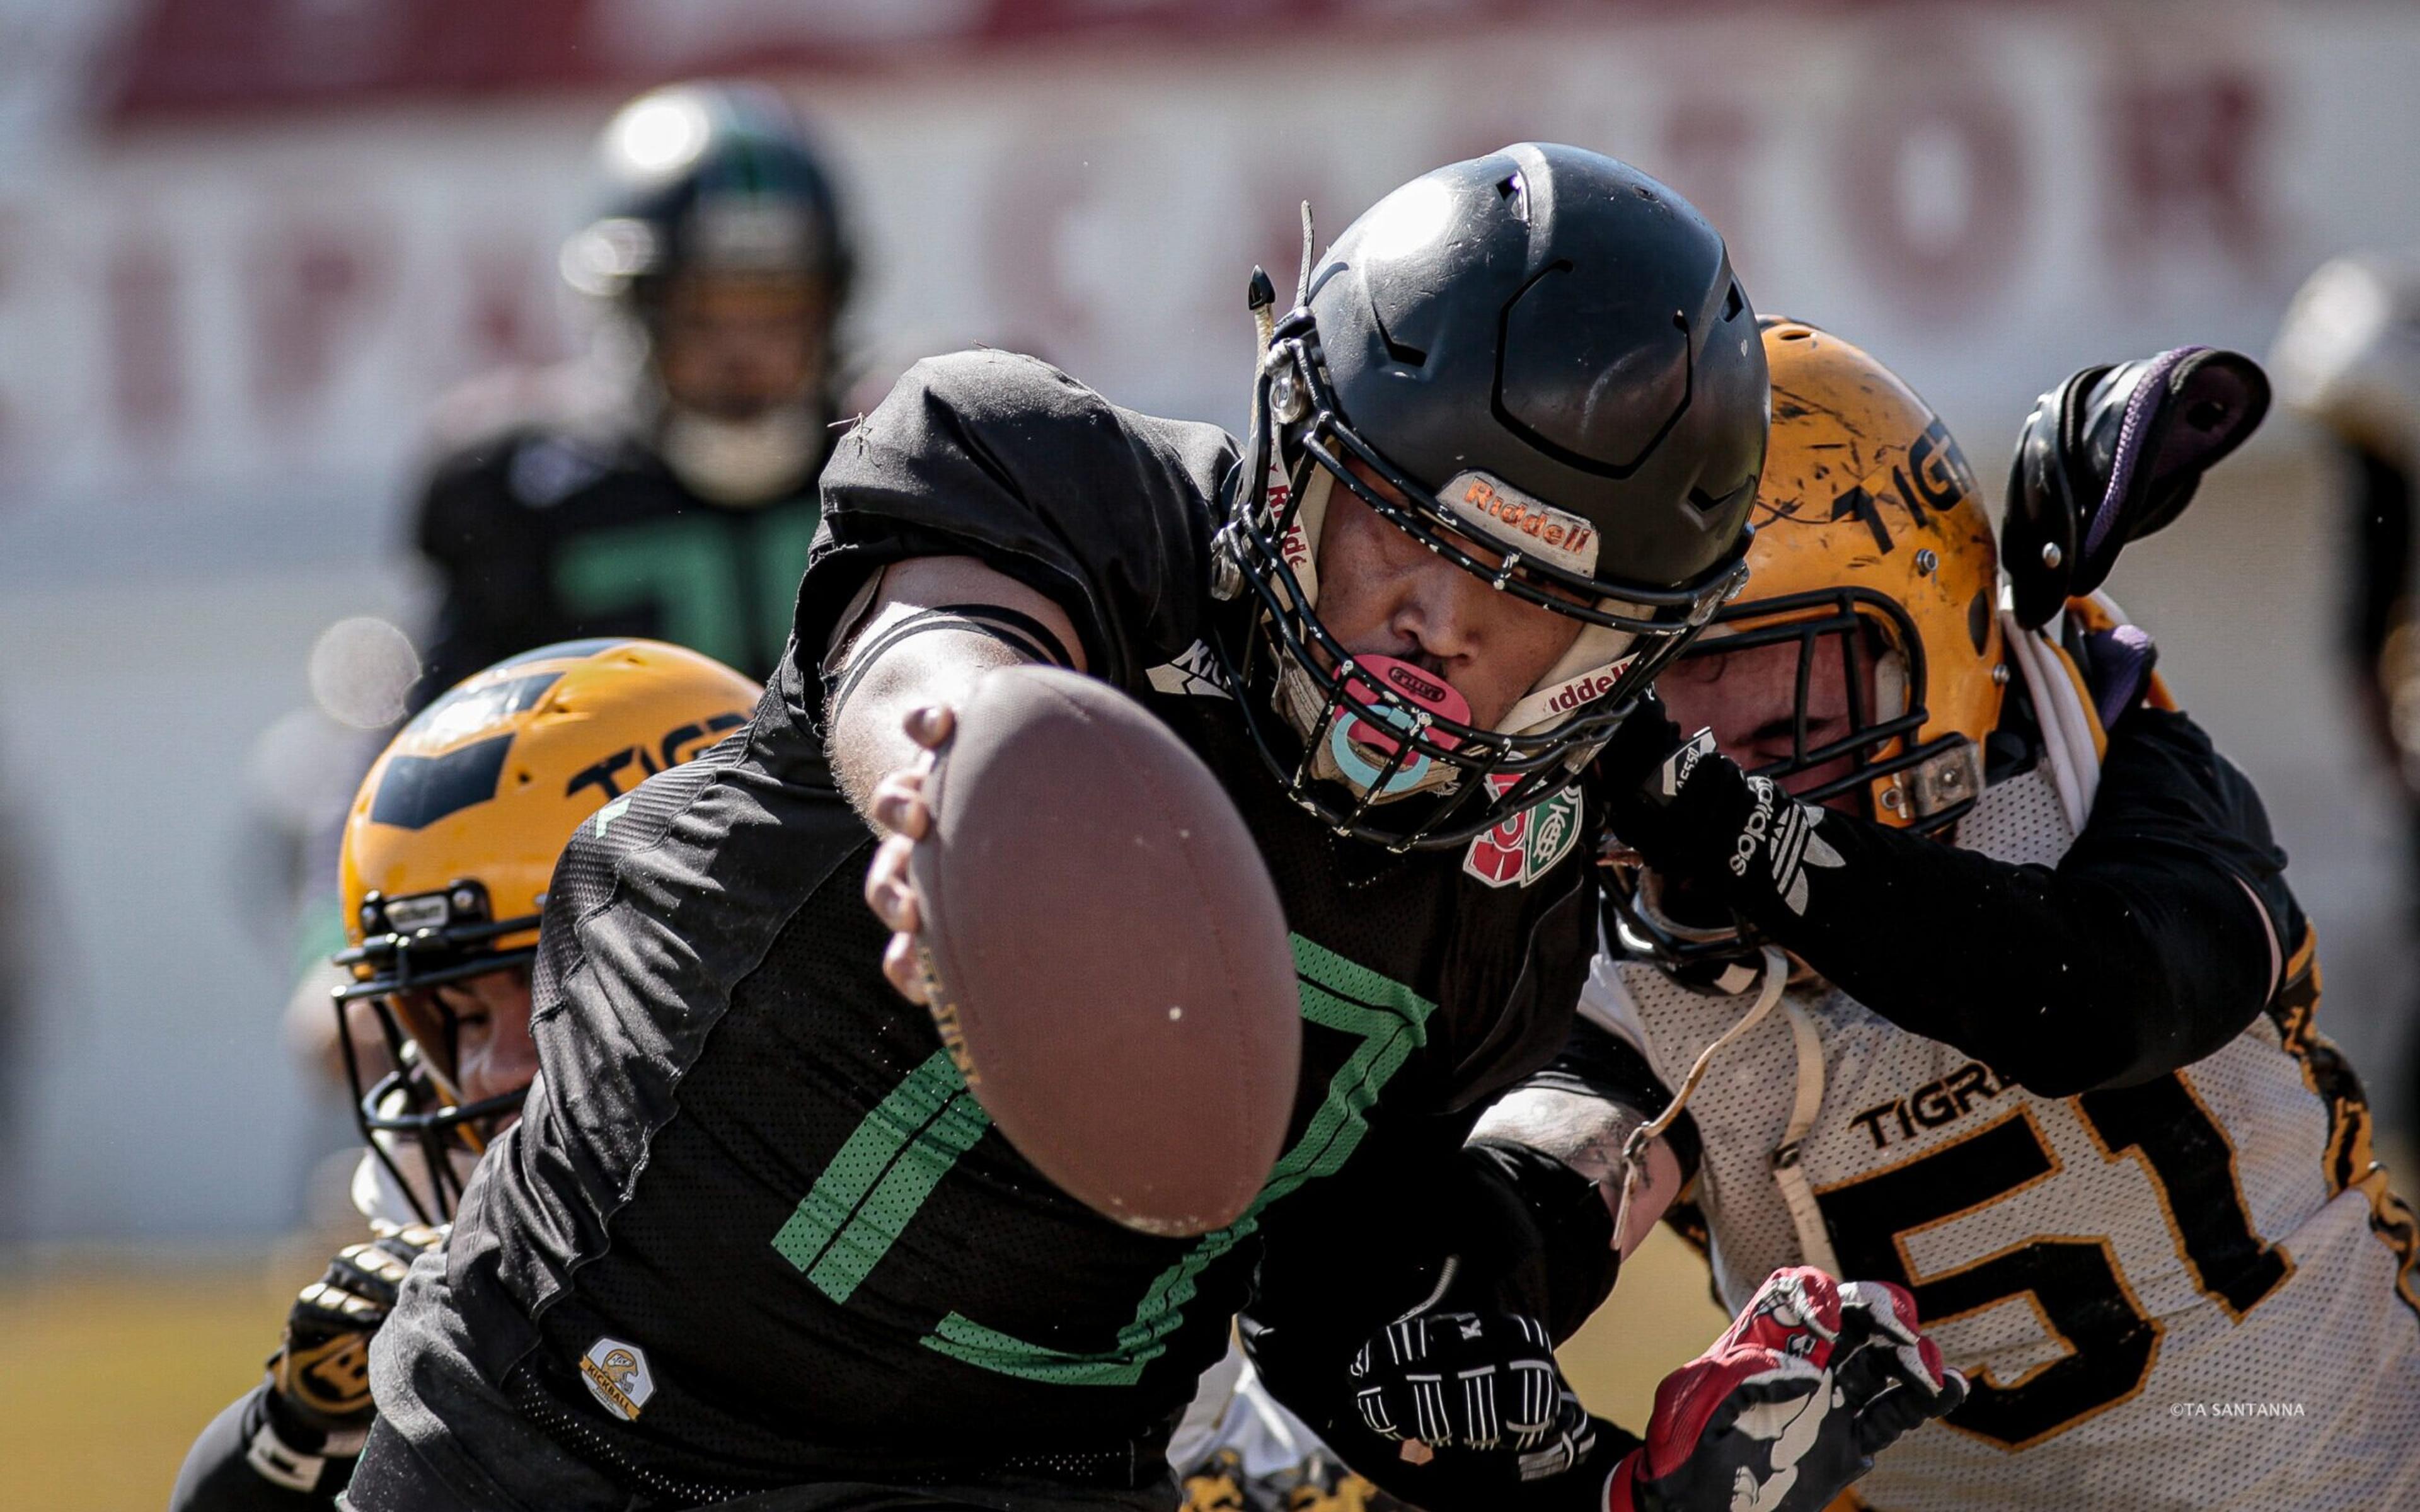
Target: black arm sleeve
point(2156, 939)
point(219, 1474)
point(984, 453)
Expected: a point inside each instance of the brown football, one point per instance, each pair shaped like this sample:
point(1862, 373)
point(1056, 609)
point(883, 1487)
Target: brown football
point(1111, 968)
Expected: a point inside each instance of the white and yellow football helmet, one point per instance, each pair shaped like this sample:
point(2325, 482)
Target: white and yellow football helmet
point(451, 841)
point(1870, 536)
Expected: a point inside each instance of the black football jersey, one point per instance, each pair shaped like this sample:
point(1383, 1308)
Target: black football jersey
point(559, 532)
point(753, 1227)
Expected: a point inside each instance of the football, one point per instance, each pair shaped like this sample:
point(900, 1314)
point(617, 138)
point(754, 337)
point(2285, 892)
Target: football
point(1109, 962)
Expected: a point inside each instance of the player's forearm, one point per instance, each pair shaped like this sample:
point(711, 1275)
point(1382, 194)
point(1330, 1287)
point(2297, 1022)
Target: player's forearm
point(2157, 938)
point(934, 627)
point(2107, 972)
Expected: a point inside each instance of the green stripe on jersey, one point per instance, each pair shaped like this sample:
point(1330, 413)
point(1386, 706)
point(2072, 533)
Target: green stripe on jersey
point(1391, 1022)
point(881, 1176)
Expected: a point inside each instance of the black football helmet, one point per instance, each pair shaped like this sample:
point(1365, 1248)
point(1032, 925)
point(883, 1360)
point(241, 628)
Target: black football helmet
point(1546, 352)
point(711, 176)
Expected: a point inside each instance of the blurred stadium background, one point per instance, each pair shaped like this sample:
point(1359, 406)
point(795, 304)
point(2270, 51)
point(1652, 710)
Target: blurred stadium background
point(246, 244)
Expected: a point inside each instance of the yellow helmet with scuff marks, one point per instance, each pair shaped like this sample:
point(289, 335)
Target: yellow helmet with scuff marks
point(1871, 534)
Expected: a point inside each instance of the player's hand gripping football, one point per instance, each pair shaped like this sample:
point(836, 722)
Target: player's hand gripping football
point(1790, 1406)
point(899, 807)
point(319, 1380)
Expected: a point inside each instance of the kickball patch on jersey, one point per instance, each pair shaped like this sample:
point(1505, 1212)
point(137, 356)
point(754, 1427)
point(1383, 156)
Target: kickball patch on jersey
point(1526, 847)
point(617, 1376)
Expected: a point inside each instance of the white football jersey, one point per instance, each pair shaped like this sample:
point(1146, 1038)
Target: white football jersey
point(2193, 1294)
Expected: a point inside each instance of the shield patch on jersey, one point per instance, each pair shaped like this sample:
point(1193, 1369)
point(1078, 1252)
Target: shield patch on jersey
point(1526, 847)
point(617, 1376)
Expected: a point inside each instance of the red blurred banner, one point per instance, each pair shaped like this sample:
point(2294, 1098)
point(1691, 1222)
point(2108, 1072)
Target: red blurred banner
point(216, 55)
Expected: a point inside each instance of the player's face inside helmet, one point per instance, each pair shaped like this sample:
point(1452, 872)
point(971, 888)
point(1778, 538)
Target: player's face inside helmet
point(479, 1027)
point(450, 1012)
point(1388, 596)
point(1771, 705)
point(1861, 666)
point(734, 345)
point(742, 358)
point(722, 243)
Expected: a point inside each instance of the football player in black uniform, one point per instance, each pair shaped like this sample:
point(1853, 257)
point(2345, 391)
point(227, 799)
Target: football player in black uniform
point(666, 487)
point(753, 1235)
point(447, 848)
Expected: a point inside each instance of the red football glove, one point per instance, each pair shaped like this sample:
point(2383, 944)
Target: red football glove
point(1790, 1406)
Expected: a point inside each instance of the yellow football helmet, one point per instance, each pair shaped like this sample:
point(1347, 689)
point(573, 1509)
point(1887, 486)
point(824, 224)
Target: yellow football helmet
point(453, 837)
point(1870, 529)
point(1869, 534)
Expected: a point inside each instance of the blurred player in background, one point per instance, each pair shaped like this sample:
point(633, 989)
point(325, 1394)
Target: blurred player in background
point(2348, 358)
point(1976, 1085)
point(665, 486)
point(447, 853)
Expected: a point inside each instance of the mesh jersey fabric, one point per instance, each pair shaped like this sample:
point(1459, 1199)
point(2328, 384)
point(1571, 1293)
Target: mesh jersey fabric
point(753, 1168)
point(2191, 1293)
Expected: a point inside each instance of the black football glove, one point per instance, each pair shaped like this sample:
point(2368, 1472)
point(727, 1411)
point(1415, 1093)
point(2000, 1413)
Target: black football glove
point(1790, 1406)
point(1472, 1381)
point(1666, 793)
point(1694, 816)
point(2111, 455)
point(320, 1381)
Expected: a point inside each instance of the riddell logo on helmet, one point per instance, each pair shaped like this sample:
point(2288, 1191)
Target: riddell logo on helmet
point(1566, 539)
point(1584, 688)
point(1294, 545)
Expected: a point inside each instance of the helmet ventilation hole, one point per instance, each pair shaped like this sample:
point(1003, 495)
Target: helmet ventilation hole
point(1511, 187)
